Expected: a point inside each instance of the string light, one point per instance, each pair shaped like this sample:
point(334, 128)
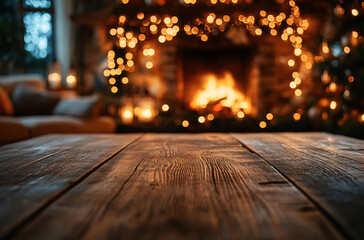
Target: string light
point(125, 80)
point(165, 107)
point(165, 28)
point(355, 12)
point(185, 123)
point(296, 117)
point(201, 119)
point(210, 117)
point(269, 116)
point(240, 114)
point(262, 124)
point(333, 105)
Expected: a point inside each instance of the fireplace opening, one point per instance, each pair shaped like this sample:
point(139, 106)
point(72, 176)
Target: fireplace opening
point(219, 80)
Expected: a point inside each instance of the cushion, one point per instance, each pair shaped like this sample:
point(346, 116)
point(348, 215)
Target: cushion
point(31, 101)
point(41, 125)
point(82, 107)
point(6, 107)
point(9, 82)
point(12, 130)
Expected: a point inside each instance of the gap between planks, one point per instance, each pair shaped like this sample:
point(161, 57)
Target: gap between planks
point(24, 221)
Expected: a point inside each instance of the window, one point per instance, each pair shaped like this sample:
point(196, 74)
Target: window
point(38, 28)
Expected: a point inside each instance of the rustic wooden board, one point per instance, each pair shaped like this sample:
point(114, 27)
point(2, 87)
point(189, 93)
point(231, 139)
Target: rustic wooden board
point(344, 147)
point(323, 169)
point(176, 186)
point(35, 172)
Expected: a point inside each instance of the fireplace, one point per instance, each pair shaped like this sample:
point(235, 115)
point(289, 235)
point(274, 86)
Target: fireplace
point(218, 79)
point(226, 66)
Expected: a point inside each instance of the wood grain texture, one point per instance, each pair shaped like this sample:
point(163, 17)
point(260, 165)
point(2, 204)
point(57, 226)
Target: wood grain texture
point(179, 186)
point(324, 167)
point(36, 171)
point(336, 145)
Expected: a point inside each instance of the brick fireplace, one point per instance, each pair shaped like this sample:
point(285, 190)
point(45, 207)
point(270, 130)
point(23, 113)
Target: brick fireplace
point(259, 71)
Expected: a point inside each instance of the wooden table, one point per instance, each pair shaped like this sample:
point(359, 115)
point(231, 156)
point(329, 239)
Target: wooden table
point(183, 186)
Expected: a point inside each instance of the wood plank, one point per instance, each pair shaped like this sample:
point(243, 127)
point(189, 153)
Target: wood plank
point(334, 182)
point(35, 172)
point(344, 147)
point(179, 186)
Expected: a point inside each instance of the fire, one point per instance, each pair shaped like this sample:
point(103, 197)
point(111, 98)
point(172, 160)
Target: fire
point(220, 92)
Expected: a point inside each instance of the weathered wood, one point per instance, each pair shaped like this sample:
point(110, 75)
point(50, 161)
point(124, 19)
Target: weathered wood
point(344, 147)
point(176, 186)
point(35, 172)
point(323, 169)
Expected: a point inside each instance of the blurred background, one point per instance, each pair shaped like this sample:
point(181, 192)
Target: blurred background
point(197, 65)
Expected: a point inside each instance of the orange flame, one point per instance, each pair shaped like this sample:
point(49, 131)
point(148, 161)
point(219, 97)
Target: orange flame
point(222, 91)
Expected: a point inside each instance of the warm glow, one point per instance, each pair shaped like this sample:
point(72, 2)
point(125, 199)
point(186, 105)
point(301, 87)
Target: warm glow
point(112, 31)
point(362, 118)
point(269, 116)
point(128, 55)
point(71, 81)
point(296, 116)
point(210, 117)
point(140, 15)
point(350, 79)
point(174, 19)
point(201, 119)
point(295, 74)
point(291, 63)
point(210, 19)
point(165, 107)
point(298, 92)
point(54, 80)
point(325, 48)
point(304, 57)
point(141, 37)
point(125, 80)
point(161, 39)
point(120, 61)
point(153, 28)
point(215, 89)
point(147, 113)
point(297, 81)
point(355, 12)
point(185, 123)
point(112, 81)
point(149, 65)
point(346, 50)
point(226, 18)
point(333, 87)
point(241, 114)
point(219, 21)
point(297, 52)
point(130, 63)
point(292, 85)
point(284, 36)
point(151, 52)
point(258, 31)
point(127, 114)
point(355, 34)
point(262, 124)
point(333, 105)
point(153, 18)
point(114, 89)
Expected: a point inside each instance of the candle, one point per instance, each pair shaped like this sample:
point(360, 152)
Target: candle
point(71, 81)
point(126, 114)
point(54, 80)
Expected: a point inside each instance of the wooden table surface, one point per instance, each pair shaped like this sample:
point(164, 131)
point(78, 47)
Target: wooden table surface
point(183, 186)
